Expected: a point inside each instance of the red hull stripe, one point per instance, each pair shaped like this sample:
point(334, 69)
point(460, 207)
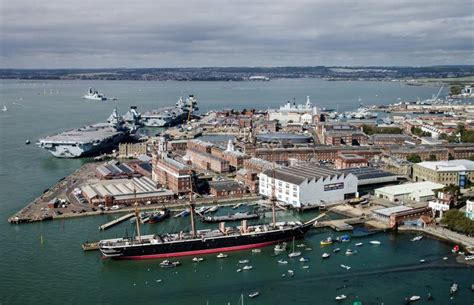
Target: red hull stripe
point(204, 251)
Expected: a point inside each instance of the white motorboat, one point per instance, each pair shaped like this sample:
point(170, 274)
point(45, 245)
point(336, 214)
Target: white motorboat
point(359, 244)
point(254, 294)
point(303, 259)
point(244, 261)
point(4, 109)
point(168, 264)
point(280, 248)
point(422, 260)
point(453, 289)
point(375, 242)
point(341, 297)
point(247, 267)
point(469, 257)
point(414, 298)
point(325, 255)
point(351, 252)
point(221, 255)
point(256, 250)
point(336, 250)
point(305, 267)
point(345, 267)
point(291, 272)
point(239, 270)
point(198, 259)
point(417, 238)
point(282, 261)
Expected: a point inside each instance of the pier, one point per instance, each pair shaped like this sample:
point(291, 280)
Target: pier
point(115, 221)
point(341, 224)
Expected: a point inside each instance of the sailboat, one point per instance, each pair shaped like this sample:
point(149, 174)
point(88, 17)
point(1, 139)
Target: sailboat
point(293, 252)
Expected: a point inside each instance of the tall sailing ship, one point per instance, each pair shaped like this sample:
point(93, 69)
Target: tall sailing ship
point(206, 241)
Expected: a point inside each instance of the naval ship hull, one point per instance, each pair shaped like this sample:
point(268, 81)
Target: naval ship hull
point(77, 150)
point(225, 243)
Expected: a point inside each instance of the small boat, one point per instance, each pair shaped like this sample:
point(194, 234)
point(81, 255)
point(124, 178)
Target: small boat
point(302, 259)
point(87, 246)
point(469, 257)
point(445, 258)
point(455, 249)
point(325, 255)
point(291, 272)
point(213, 209)
point(345, 267)
point(254, 294)
point(280, 248)
point(169, 264)
point(27, 142)
point(341, 297)
point(282, 261)
point(198, 259)
point(327, 241)
point(294, 254)
point(305, 267)
point(256, 250)
point(239, 270)
point(182, 213)
point(375, 242)
point(453, 289)
point(4, 109)
point(247, 267)
point(237, 206)
point(359, 244)
point(244, 261)
point(159, 216)
point(344, 239)
point(422, 260)
point(221, 255)
point(414, 298)
point(417, 238)
point(300, 245)
point(308, 249)
point(336, 250)
point(351, 252)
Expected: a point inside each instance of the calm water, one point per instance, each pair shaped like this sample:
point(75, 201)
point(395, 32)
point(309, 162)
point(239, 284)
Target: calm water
point(59, 272)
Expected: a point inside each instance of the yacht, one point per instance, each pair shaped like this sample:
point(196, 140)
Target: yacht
point(325, 255)
point(94, 95)
point(341, 297)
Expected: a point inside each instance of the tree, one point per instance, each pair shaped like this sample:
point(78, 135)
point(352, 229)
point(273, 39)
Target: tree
point(433, 158)
point(414, 158)
point(455, 89)
point(471, 158)
point(457, 221)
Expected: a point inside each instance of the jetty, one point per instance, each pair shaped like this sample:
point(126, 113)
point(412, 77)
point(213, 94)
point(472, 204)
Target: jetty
point(114, 222)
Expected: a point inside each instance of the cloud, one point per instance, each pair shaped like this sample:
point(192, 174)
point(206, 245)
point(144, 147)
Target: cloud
point(146, 33)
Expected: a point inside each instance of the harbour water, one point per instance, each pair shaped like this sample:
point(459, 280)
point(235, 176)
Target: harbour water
point(43, 263)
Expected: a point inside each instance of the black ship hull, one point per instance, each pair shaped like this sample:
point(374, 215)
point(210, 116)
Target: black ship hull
point(224, 243)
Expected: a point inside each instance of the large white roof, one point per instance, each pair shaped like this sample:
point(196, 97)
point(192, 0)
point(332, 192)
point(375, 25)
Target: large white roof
point(448, 166)
point(408, 188)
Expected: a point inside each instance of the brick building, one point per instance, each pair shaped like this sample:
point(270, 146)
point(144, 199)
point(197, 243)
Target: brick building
point(172, 174)
point(207, 161)
point(350, 160)
point(227, 188)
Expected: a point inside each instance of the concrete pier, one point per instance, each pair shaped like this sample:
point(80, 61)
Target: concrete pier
point(115, 221)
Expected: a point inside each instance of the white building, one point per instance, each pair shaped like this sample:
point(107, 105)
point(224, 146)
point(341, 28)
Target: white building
point(307, 184)
point(470, 209)
point(418, 191)
point(295, 113)
point(440, 204)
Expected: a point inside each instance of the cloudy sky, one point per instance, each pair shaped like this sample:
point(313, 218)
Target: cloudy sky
point(194, 33)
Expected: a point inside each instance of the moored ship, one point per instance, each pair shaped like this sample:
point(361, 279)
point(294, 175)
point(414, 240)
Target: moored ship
point(87, 140)
point(169, 116)
point(206, 241)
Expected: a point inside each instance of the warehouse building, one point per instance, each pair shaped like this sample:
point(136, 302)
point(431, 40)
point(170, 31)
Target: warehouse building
point(418, 191)
point(370, 175)
point(307, 184)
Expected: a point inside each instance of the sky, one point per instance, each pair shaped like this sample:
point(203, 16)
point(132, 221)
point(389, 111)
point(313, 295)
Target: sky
point(204, 33)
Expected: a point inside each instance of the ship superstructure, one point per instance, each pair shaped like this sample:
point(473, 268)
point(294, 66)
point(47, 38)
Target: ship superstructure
point(169, 116)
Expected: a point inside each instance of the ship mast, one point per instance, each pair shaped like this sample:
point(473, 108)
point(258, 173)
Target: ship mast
point(191, 207)
point(272, 196)
point(137, 216)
